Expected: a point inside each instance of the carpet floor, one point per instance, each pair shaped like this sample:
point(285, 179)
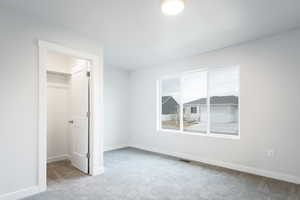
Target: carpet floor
point(132, 174)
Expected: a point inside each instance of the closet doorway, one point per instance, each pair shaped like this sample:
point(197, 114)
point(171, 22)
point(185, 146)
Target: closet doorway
point(68, 120)
point(70, 101)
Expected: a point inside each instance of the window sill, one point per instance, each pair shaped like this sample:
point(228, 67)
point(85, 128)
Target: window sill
point(233, 137)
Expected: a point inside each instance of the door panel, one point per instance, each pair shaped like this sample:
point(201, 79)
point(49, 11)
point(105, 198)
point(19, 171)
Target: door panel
point(80, 126)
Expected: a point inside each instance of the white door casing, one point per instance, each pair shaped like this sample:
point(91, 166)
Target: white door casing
point(96, 107)
point(80, 118)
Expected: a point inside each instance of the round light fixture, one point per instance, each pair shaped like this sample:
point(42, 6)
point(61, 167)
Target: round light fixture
point(172, 7)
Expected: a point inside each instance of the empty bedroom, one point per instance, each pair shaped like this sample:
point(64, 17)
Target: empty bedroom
point(150, 100)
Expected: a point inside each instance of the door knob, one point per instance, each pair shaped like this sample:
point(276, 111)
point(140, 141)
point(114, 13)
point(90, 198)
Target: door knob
point(71, 121)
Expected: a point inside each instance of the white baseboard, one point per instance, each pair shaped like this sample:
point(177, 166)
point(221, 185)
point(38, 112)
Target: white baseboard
point(114, 147)
point(22, 193)
point(58, 158)
point(237, 167)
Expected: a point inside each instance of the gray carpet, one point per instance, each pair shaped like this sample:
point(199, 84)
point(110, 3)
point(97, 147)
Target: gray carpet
point(132, 174)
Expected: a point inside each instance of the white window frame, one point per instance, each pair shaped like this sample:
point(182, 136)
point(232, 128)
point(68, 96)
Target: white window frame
point(181, 131)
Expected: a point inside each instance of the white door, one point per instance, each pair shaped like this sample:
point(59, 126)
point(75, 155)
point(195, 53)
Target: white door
point(79, 116)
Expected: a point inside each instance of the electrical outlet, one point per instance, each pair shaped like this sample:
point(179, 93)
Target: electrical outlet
point(271, 153)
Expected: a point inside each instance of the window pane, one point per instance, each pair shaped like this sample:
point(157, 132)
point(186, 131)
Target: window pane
point(224, 101)
point(170, 104)
point(194, 97)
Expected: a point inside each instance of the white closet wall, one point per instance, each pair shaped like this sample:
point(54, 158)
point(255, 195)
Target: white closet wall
point(58, 62)
point(58, 90)
point(57, 122)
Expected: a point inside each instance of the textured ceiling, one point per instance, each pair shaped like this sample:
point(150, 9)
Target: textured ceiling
point(136, 34)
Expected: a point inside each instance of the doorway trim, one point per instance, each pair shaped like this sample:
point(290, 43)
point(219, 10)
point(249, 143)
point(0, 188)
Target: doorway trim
point(96, 103)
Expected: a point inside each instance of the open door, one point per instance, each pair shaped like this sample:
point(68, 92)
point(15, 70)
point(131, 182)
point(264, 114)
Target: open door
point(80, 117)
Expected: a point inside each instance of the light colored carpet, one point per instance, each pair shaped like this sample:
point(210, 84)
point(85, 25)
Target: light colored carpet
point(132, 174)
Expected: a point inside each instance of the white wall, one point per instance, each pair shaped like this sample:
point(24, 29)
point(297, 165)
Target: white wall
point(58, 62)
point(58, 99)
point(18, 83)
point(270, 81)
point(116, 109)
point(58, 139)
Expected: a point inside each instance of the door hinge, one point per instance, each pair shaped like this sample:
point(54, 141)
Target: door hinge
point(88, 155)
point(88, 73)
point(88, 114)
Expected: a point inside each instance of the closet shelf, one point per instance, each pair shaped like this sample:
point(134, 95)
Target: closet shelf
point(59, 73)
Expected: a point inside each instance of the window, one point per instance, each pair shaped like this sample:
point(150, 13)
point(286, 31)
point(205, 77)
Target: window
point(224, 101)
point(194, 94)
point(193, 110)
point(170, 104)
point(201, 102)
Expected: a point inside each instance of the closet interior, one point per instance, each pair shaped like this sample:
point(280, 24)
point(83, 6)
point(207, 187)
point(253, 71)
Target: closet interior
point(67, 122)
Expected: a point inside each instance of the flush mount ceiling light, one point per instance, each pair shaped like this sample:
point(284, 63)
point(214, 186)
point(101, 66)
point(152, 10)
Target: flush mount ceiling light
point(172, 7)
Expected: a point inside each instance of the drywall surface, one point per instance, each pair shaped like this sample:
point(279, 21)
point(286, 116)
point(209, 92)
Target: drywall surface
point(58, 133)
point(269, 93)
point(116, 110)
point(58, 96)
point(58, 62)
point(19, 86)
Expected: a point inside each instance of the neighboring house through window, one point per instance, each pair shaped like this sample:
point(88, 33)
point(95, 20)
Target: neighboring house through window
point(204, 102)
